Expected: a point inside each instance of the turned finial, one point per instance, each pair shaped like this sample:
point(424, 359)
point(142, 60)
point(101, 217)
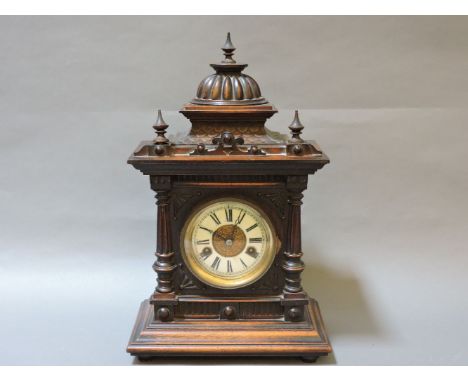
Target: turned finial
point(296, 128)
point(160, 127)
point(228, 49)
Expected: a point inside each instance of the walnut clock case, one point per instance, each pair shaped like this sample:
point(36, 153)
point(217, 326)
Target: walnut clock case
point(228, 256)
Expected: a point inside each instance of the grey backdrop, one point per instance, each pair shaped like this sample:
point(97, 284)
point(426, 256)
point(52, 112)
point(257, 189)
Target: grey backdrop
point(385, 224)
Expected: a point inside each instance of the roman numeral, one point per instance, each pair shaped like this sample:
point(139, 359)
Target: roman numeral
point(205, 254)
point(206, 229)
point(240, 217)
point(228, 212)
point(229, 266)
point(242, 261)
point(252, 227)
point(215, 218)
point(215, 263)
point(206, 241)
point(255, 240)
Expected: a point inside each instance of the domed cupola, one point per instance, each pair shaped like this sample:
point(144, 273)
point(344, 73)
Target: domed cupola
point(229, 86)
point(228, 101)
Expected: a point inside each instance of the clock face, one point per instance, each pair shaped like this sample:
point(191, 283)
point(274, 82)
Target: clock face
point(228, 243)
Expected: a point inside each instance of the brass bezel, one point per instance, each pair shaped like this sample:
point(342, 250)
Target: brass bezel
point(229, 282)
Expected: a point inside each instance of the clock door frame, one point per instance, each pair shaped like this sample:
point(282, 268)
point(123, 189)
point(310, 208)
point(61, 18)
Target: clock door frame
point(270, 197)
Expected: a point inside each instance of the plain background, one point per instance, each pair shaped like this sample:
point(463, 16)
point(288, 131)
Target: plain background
point(385, 224)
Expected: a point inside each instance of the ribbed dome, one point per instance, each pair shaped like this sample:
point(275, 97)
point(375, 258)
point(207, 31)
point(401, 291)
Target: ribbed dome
point(228, 86)
point(229, 89)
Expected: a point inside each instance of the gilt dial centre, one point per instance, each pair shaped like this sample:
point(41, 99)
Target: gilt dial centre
point(229, 240)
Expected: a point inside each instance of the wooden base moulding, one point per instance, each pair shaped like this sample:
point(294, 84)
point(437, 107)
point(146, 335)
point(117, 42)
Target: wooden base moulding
point(151, 338)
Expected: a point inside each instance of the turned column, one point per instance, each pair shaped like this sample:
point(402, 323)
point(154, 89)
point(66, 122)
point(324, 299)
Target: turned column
point(164, 265)
point(292, 264)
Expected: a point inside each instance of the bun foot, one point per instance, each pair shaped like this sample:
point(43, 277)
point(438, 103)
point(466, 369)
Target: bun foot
point(143, 358)
point(309, 359)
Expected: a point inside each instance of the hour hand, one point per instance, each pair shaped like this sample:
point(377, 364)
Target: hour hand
point(219, 235)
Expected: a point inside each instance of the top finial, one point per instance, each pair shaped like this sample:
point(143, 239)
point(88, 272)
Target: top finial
point(160, 127)
point(296, 128)
point(228, 49)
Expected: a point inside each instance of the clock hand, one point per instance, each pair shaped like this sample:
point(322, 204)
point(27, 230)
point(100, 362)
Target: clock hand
point(219, 235)
point(234, 227)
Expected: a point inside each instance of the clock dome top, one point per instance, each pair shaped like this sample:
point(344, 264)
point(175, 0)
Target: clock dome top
point(229, 86)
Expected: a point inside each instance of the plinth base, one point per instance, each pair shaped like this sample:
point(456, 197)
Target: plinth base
point(152, 338)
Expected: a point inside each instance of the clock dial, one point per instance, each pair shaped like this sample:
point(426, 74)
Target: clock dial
point(228, 243)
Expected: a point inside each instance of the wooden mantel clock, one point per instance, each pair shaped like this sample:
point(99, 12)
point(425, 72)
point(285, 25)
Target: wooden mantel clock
point(228, 257)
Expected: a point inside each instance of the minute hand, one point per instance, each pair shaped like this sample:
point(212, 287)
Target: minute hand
point(234, 227)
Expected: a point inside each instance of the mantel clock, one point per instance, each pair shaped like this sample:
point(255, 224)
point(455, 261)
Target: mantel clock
point(228, 256)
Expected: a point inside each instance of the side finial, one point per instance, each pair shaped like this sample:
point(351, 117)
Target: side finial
point(160, 127)
point(296, 128)
point(228, 49)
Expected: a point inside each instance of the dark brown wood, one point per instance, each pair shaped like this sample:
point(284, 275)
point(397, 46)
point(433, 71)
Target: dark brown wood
point(160, 127)
point(228, 153)
point(229, 86)
point(296, 128)
point(164, 265)
point(268, 193)
point(152, 338)
point(293, 265)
